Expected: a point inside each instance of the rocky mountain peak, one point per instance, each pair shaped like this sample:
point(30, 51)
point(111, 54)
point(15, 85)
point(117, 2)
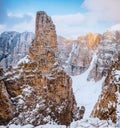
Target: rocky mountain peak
point(40, 90)
point(44, 47)
point(45, 32)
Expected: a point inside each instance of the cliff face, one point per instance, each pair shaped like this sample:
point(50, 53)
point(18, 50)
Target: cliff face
point(38, 87)
point(13, 47)
point(6, 108)
point(82, 52)
point(64, 48)
point(108, 105)
point(44, 47)
point(108, 52)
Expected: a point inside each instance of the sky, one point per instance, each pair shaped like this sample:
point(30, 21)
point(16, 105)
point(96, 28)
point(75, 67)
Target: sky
point(72, 18)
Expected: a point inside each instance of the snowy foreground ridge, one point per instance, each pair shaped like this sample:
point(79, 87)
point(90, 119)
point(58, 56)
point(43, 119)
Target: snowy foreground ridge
point(84, 123)
point(86, 94)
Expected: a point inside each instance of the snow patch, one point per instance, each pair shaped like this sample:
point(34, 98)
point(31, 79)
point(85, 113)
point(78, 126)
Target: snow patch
point(86, 92)
point(84, 123)
point(74, 46)
point(24, 60)
point(27, 90)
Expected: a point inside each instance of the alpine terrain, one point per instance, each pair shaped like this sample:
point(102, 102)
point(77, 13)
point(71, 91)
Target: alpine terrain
point(49, 81)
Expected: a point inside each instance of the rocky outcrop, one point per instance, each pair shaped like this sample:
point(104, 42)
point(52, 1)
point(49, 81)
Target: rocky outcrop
point(82, 52)
point(6, 108)
point(13, 47)
point(108, 52)
point(108, 105)
point(40, 90)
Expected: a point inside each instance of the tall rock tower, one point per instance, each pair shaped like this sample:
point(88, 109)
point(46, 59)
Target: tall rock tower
point(40, 90)
point(44, 46)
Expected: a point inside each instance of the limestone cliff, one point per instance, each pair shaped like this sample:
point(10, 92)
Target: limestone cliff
point(13, 47)
point(108, 105)
point(38, 87)
point(6, 108)
point(107, 53)
point(64, 48)
point(82, 52)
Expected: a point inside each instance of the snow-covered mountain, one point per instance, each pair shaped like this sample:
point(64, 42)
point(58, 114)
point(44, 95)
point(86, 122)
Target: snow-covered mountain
point(13, 47)
point(77, 54)
point(60, 81)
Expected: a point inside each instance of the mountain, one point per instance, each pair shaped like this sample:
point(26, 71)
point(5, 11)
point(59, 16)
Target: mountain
point(81, 54)
point(108, 105)
point(58, 80)
point(107, 54)
point(38, 91)
point(13, 47)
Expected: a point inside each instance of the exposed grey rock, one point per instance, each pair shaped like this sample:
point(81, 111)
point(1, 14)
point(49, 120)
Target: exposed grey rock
point(13, 47)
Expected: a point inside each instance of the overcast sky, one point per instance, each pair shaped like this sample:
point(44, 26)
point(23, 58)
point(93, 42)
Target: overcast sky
point(71, 17)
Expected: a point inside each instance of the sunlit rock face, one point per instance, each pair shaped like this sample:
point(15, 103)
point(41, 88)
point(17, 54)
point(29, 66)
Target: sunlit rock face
point(108, 105)
point(82, 53)
point(13, 47)
point(44, 47)
point(38, 87)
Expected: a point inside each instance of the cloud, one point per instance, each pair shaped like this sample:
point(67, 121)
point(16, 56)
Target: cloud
point(74, 25)
point(26, 25)
point(18, 22)
point(103, 10)
point(13, 18)
point(77, 19)
point(2, 28)
point(10, 21)
point(99, 15)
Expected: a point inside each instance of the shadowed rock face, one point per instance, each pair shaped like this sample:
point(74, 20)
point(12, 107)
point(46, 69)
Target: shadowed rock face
point(13, 47)
point(108, 52)
point(108, 103)
point(6, 108)
point(40, 90)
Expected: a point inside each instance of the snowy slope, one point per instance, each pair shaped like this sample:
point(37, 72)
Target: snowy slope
point(86, 92)
point(84, 123)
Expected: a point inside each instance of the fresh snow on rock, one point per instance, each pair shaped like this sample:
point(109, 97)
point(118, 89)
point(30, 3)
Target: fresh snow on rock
point(24, 60)
point(84, 123)
point(86, 92)
point(74, 46)
point(118, 109)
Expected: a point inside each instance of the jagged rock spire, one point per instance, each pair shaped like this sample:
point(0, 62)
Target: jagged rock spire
point(40, 83)
point(44, 46)
point(45, 30)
